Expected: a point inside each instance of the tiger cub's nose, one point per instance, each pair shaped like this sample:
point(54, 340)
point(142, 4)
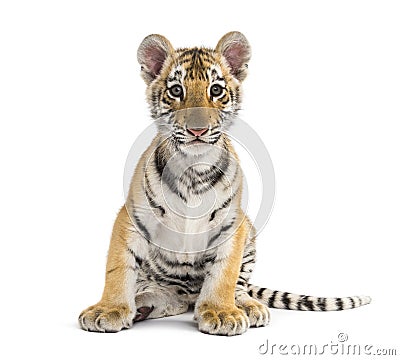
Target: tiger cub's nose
point(197, 132)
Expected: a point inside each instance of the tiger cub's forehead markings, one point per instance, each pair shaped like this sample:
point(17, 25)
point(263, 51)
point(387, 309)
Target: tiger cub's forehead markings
point(195, 53)
point(215, 74)
point(196, 61)
point(176, 75)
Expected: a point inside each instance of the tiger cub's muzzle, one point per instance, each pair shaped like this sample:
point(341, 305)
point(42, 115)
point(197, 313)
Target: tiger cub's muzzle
point(198, 124)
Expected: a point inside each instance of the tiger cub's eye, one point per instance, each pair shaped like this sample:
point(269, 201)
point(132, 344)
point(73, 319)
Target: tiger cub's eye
point(176, 91)
point(216, 90)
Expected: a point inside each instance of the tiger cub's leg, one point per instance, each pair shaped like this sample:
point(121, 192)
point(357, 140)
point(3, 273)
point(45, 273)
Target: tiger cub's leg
point(215, 310)
point(116, 309)
point(156, 301)
point(257, 312)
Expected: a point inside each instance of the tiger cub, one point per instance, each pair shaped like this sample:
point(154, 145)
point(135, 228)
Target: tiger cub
point(182, 239)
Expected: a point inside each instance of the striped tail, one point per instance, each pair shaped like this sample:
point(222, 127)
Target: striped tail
point(284, 300)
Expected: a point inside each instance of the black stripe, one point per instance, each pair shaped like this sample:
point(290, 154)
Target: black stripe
point(242, 270)
point(250, 292)
point(156, 96)
point(308, 303)
point(147, 183)
point(181, 264)
point(299, 303)
point(158, 161)
point(260, 292)
point(201, 75)
point(166, 101)
point(245, 277)
point(176, 76)
point(339, 303)
point(170, 282)
point(199, 265)
point(213, 141)
point(242, 278)
point(321, 303)
point(248, 261)
point(223, 206)
point(212, 216)
point(153, 204)
point(111, 270)
point(250, 253)
point(353, 304)
point(208, 259)
point(193, 172)
point(184, 61)
point(138, 260)
point(223, 229)
point(185, 277)
point(206, 53)
point(161, 278)
point(285, 300)
point(232, 95)
point(166, 112)
point(225, 101)
point(187, 52)
point(172, 263)
point(247, 272)
point(207, 179)
point(271, 300)
point(200, 182)
point(220, 171)
point(145, 233)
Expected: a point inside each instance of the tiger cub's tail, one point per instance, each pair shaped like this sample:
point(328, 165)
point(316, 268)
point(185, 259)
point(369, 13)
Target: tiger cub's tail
point(284, 300)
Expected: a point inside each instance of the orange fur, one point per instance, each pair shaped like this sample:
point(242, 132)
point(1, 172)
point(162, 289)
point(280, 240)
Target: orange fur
point(113, 311)
point(225, 291)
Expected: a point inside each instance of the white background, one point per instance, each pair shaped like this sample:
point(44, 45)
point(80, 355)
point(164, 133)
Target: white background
point(323, 93)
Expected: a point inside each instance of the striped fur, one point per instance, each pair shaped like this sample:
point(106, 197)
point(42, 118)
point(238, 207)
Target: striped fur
point(284, 300)
point(182, 239)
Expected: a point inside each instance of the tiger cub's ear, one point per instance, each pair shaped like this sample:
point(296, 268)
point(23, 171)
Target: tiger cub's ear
point(151, 55)
point(237, 52)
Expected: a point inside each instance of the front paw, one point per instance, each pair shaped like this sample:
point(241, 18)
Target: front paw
point(257, 313)
point(217, 320)
point(106, 318)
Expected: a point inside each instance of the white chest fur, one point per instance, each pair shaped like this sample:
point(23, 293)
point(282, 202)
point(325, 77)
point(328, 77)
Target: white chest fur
point(193, 212)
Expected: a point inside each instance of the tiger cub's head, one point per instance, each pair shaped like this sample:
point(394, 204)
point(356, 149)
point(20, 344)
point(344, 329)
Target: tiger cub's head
point(194, 93)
